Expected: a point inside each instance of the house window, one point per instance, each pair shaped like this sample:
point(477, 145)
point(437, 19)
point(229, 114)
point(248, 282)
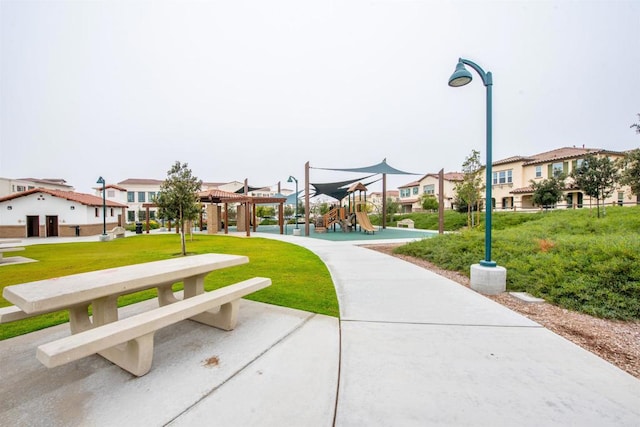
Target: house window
point(152, 196)
point(538, 171)
point(130, 197)
point(111, 193)
point(503, 177)
point(142, 215)
point(141, 195)
point(97, 212)
point(557, 169)
point(131, 216)
point(415, 191)
point(111, 212)
point(429, 189)
point(405, 192)
point(21, 188)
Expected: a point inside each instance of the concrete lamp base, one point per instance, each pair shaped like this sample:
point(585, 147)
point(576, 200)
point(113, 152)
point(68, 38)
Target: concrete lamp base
point(105, 237)
point(488, 280)
point(296, 231)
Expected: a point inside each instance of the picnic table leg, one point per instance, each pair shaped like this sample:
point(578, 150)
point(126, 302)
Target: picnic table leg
point(79, 318)
point(135, 356)
point(224, 318)
point(166, 295)
point(105, 310)
point(193, 285)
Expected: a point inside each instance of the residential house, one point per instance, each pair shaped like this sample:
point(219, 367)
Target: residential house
point(411, 194)
point(375, 197)
point(141, 194)
point(512, 177)
point(42, 212)
point(12, 186)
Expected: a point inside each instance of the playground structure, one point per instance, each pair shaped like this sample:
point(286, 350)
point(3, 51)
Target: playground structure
point(338, 191)
point(348, 217)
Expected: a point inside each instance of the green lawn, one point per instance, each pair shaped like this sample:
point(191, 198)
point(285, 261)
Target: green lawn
point(568, 257)
point(299, 278)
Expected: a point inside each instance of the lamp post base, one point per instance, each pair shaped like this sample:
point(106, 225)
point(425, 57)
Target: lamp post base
point(296, 231)
point(488, 280)
point(105, 237)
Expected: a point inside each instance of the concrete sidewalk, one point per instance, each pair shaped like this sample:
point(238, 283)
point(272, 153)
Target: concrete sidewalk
point(418, 349)
point(411, 348)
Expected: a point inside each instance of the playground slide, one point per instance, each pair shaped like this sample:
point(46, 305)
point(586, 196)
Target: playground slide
point(365, 222)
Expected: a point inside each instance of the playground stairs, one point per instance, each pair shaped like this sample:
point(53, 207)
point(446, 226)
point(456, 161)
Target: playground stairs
point(334, 216)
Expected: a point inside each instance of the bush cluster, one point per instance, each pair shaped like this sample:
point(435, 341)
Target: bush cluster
point(568, 257)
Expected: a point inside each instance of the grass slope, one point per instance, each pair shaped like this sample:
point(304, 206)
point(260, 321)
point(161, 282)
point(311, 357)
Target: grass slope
point(569, 257)
point(299, 278)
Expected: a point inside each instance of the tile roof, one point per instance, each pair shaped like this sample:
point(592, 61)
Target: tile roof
point(114, 186)
point(219, 196)
point(82, 198)
point(411, 184)
point(408, 201)
point(563, 153)
point(511, 159)
point(140, 181)
point(522, 190)
point(448, 176)
point(48, 181)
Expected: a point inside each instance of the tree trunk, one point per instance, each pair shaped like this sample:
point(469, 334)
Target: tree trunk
point(182, 241)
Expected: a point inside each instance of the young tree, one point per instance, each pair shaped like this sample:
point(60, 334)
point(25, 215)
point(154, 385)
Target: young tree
point(265, 211)
point(597, 177)
point(630, 174)
point(469, 190)
point(429, 202)
point(548, 192)
point(178, 198)
point(392, 208)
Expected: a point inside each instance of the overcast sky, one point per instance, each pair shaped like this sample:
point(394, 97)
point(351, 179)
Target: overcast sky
point(254, 89)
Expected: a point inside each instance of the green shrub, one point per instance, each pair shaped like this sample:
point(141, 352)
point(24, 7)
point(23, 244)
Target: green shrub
point(569, 257)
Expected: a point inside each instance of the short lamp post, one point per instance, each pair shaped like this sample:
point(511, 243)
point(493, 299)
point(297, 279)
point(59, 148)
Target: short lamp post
point(292, 179)
point(492, 282)
point(104, 207)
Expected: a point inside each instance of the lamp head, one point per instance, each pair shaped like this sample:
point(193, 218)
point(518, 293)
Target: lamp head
point(100, 180)
point(291, 179)
point(460, 77)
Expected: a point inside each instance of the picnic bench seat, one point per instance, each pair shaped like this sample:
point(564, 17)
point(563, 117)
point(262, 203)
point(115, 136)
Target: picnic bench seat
point(406, 223)
point(9, 247)
point(128, 342)
point(137, 332)
point(117, 232)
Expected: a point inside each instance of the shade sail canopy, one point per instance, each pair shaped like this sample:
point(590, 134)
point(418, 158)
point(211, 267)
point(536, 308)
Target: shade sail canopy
point(339, 190)
point(249, 189)
point(382, 167)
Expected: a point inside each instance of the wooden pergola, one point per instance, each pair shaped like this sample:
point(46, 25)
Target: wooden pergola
point(247, 204)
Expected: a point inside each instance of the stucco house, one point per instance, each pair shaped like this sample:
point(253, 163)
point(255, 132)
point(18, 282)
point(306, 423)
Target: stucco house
point(511, 178)
point(138, 192)
point(375, 197)
point(17, 185)
point(411, 193)
point(42, 212)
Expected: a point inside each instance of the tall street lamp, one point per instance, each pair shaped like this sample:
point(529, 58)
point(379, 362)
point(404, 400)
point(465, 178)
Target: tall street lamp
point(104, 206)
point(460, 77)
point(292, 179)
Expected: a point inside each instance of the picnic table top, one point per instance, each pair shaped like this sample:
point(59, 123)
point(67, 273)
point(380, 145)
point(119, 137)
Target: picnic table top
point(62, 292)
